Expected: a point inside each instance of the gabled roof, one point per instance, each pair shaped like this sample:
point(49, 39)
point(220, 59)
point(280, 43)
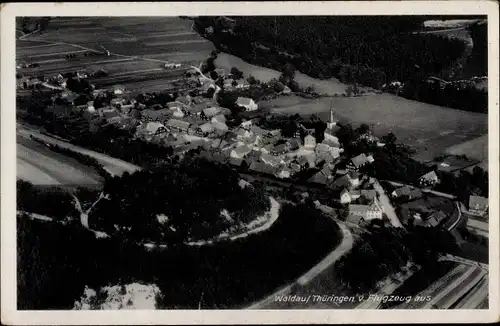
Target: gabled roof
point(429, 175)
point(153, 127)
point(359, 160)
point(478, 201)
point(244, 101)
point(407, 191)
point(207, 127)
point(178, 124)
point(211, 112)
point(262, 167)
point(242, 150)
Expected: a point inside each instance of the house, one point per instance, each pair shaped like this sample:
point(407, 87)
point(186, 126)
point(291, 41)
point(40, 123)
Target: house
point(220, 127)
point(240, 151)
point(206, 128)
point(118, 90)
point(246, 103)
point(347, 196)
point(260, 167)
point(158, 115)
point(270, 159)
point(408, 192)
point(242, 134)
point(349, 181)
point(219, 118)
point(478, 205)
point(429, 179)
point(331, 140)
point(247, 125)
point(286, 90)
point(151, 129)
point(90, 106)
point(359, 161)
point(178, 125)
point(324, 176)
point(358, 213)
point(309, 141)
point(280, 149)
point(209, 113)
point(111, 116)
point(326, 152)
point(284, 173)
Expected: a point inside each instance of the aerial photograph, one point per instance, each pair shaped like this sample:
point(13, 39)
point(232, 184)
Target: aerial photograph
point(252, 162)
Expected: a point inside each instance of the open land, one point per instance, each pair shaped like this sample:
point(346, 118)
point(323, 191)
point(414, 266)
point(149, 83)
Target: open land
point(41, 166)
point(430, 129)
point(329, 87)
point(139, 47)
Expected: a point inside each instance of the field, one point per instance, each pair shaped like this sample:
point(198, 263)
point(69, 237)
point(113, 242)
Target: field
point(476, 148)
point(41, 166)
point(430, 129)
point(139, 47)
point(329, 87)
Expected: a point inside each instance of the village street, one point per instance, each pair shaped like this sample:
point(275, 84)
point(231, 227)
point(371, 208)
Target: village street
point(386, 204)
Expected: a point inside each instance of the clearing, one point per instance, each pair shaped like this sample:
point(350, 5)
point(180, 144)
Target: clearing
point(329, 87)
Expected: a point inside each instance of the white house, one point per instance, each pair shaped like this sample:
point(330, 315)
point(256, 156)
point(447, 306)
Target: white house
point(240, 151)
point(247, 103)
point(246, 124)
point(309, 142)
point(478, 205)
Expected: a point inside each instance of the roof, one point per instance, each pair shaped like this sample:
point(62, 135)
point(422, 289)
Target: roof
point(359, 160)
point(242, 150)
point(310, 136)
point(262, 167)
point(156, 113)
point(210, 112)
point(153, 126)
point(110, 114)
point(178, 124)
point(438, 216)
point(407, 191)
point(429, 175)
point(368, 193)
point(207, 127)
point(244, 101)
point(220, 126)
point(295, 143)
point(235, 161)
point(219, 118)
point(270, 158)
point(356, 219)
point(478, 201)
point(280, 148)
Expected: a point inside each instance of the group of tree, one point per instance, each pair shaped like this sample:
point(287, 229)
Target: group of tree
point(79, 85)
point(31, 24)
point(383, 252)
point(192, 195)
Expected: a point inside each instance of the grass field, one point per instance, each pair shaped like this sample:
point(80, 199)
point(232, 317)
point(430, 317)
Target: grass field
point(476, 148)
point(329, 87)
point(430, 129)
point(139, 46)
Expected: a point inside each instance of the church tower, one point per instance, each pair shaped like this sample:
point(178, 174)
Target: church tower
point(331, 121)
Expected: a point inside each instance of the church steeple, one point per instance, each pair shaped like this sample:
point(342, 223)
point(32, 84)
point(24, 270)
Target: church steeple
point(331, 121)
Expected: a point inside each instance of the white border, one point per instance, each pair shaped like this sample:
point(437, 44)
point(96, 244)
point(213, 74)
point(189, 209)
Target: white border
point(9, 313)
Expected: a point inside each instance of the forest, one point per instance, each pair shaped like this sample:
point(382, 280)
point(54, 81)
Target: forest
point(54, 266)
point(370, 51)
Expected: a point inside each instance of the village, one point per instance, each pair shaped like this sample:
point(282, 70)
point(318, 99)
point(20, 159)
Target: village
point(195, 121)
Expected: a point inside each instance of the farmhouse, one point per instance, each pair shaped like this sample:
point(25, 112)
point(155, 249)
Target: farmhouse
point(178, 125)
point(347, 196)
point(359, 213)
point(270, 159)
point(209, 113)
point(359, 161)
point(349, 181)
point(478, 205)
point(407, 192)
point(150, 129)
point(429, 179)
point(240, 152)
point(246, 103)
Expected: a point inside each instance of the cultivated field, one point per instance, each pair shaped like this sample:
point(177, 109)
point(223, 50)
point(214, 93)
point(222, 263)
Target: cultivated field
point(430, 129)
point(139, 47)
point(329, 87)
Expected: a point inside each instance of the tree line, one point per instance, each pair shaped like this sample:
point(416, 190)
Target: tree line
point(371, 51)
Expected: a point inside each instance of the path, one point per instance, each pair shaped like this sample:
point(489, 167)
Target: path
point(459, 218)
point(437, 193)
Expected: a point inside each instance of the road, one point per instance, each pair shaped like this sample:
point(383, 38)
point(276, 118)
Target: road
point(41, 166)
point(112, 165)
point(459, 218)
point(320, 273)
point(480, 227)
point(386, 204)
